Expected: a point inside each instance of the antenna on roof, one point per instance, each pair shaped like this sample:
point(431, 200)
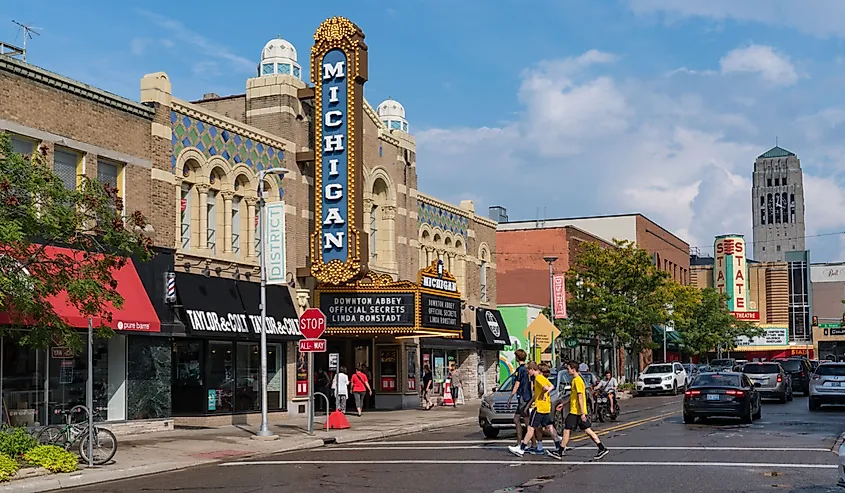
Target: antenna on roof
point(776, 140)
point(28, 31)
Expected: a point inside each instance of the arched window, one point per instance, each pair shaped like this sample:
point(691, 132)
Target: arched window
point(425, 244)
point(381, 243)
point(777, 208)
point(770, 209)
point(762, 209)
point(784, 205)
point(214, 210)
point(460, 266)
point(189, 205)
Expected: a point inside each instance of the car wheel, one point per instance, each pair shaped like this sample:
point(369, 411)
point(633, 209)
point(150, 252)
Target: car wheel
point(490, 432)
point(674, 388)
point(759, 413)
point(747, 417)
point(790, 395)
point(783, 398)
point(689, 419)
point(813, 404)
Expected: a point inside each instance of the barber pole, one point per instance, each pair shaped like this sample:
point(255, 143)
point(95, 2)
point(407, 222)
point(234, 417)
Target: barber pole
point(170, 297)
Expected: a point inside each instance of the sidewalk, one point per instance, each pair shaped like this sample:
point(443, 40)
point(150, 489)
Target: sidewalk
point(140, 455)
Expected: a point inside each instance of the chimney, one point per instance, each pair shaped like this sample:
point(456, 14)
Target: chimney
point(210, 95)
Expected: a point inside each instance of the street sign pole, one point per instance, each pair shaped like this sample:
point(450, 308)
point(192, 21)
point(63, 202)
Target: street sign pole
point(310, 393)
point(312, 324)
point(90, 392)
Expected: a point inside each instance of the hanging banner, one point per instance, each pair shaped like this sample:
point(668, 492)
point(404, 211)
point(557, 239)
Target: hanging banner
point(559, 293)
point(274, 241)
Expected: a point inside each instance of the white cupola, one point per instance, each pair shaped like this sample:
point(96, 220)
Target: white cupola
point(279, 57)
point(392, 114)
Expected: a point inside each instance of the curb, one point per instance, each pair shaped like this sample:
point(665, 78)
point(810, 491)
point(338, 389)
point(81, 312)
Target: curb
point(408, 430)
point(838, 444)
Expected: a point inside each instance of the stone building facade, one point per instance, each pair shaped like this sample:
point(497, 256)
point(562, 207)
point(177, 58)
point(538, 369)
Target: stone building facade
point(777, 203)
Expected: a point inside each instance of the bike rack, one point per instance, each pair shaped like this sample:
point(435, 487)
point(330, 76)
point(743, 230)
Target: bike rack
point(90, 432)
point(328, 411)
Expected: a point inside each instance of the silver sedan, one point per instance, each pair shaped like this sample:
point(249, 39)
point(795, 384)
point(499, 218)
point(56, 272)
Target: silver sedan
point(770, 379)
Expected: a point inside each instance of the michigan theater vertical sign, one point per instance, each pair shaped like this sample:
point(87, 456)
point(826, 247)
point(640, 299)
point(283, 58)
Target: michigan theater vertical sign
point(339, 70)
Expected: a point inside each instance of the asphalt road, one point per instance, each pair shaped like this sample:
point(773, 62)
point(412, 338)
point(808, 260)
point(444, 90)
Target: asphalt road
point(651, 449)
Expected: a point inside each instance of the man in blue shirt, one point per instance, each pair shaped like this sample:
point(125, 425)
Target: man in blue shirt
point(522, 389)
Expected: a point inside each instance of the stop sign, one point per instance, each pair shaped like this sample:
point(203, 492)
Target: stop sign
point(312, 323)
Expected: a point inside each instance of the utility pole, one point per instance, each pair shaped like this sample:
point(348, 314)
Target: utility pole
point(28, 31)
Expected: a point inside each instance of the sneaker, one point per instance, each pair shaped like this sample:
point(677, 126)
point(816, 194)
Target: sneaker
point(555, 454)
point(516, 450)
point(539, 451)
point(531, 450)
point(601, 454)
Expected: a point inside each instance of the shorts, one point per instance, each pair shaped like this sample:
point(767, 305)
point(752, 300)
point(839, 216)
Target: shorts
point(521, 408)
point(540, 420)
point(574, 421)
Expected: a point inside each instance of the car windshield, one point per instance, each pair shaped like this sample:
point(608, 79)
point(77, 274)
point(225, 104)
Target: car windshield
point(721, 362)
point(716, 380)
point(791, 365)
point(757, 369)
point(831, 370)
point(658, 369)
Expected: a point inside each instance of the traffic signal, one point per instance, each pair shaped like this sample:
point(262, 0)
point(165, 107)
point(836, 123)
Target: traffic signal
point(816, 321)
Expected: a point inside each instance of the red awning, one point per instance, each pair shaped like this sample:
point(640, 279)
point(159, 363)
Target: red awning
point(136, 315)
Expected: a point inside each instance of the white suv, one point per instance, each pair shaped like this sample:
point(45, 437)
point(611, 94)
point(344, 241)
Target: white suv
point(662, 377)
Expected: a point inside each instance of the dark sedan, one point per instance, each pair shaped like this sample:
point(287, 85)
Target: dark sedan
point(800, 371)
point(722, 394)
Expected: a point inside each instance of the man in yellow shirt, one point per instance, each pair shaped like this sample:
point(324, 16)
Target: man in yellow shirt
point(541, 415)
point(577, 417)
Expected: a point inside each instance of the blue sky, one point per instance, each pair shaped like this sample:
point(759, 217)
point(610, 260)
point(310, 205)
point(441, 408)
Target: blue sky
point(574, 107)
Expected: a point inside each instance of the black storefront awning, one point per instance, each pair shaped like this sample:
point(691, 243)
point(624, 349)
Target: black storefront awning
point(228, 308)
point(491, 328)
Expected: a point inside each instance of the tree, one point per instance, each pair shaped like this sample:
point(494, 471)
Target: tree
point(37, 212)
point(616, 294)
point(703, 321)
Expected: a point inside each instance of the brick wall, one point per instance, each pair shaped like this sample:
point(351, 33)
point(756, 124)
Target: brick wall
point(233, 107)
point(672, 252)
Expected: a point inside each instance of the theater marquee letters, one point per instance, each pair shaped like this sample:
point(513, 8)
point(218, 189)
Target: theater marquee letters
point(339, 69)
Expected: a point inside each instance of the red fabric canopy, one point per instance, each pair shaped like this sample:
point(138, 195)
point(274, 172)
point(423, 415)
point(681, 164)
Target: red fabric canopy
point(136, 315)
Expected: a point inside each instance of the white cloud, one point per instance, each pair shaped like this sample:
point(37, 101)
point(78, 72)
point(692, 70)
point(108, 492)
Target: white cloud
point(820, 18)
point(678, 149)
point(763, 60)
point(138, 46)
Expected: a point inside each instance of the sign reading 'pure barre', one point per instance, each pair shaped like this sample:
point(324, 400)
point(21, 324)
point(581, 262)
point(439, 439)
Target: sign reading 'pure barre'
point(339, 67)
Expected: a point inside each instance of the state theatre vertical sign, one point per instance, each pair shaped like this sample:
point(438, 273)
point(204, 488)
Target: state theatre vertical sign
point(339, 70)
point(731, 275)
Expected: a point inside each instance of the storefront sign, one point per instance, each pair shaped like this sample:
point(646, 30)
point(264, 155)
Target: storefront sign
point(753, 316)
point(439, 312)
point(212, 399)
point(61, 352)
point(839, 331)
point(369, 309)
point(339, 68)
point(334, 361)
point(773, 336)
point(274, 242)
point(731, 271)
point(559, 293)
point(209, 321)
point(435, 279)
point(827, 273)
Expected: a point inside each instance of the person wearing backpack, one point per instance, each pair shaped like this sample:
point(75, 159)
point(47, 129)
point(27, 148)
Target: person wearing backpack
point(360, 386)
point(522, 389)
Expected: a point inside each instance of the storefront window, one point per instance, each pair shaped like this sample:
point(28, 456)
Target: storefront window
point(69, 377)
point(248, 380)
point(388, 370)
point(412, 370)
point(23, 384)
point(276, 395)
point(148, 374)
point(221, 377)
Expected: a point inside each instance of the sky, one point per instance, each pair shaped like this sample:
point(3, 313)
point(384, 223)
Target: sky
point(549, 108)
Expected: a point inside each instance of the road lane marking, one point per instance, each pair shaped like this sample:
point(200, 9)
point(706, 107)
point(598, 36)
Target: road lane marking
point(495, 446)
point(752, 465)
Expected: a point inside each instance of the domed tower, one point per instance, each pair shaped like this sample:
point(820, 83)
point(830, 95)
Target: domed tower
point(279, 57)
point(392, 114)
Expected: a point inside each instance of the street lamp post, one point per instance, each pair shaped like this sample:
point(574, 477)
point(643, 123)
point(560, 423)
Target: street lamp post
point(551, 260)
point(264, 429)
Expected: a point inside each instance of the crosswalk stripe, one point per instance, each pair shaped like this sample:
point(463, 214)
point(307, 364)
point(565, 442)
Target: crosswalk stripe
point(753, 465)
point(497, 446)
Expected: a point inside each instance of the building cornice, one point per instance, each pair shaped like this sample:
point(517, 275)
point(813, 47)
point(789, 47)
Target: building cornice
point(74, 87)
point(231, 125)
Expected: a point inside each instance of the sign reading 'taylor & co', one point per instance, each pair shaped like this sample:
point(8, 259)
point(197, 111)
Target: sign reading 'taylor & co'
point(339, 68)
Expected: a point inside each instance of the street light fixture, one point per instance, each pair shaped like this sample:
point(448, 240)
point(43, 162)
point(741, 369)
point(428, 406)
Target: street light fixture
point(551, 259)
point(264, 429)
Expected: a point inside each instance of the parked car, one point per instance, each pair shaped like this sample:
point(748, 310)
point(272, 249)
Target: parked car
point(827, 385)
point(495, 414)
point(816, 362)
point(800, 372)
point(773, 379)
point(722, 394)
point(662, 377)
point(724, 364)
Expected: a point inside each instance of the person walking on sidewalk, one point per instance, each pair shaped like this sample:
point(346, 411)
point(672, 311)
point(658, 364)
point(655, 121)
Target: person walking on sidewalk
point(577, 417)
point(360, 387)
point(340, 387)
point(522, 391)
point(541, 415)
point(425, 390)
point(455, 384)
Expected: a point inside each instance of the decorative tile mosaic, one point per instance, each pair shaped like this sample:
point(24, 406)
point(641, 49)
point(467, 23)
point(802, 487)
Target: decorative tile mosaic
point(213, 141)
point(439, 218)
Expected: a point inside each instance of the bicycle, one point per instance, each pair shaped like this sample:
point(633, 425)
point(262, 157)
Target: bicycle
point(77, 433)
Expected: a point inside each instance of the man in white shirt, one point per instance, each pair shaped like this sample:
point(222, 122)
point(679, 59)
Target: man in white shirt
point(609, 385)
point(340, 387)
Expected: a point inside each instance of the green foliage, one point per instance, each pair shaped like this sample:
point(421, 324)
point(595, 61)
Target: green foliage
point(703, 320)
point(52, 458)
point(627, 386)
point(16, 442)
point(8, 467)
point(37, 211)
point(616, 293)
